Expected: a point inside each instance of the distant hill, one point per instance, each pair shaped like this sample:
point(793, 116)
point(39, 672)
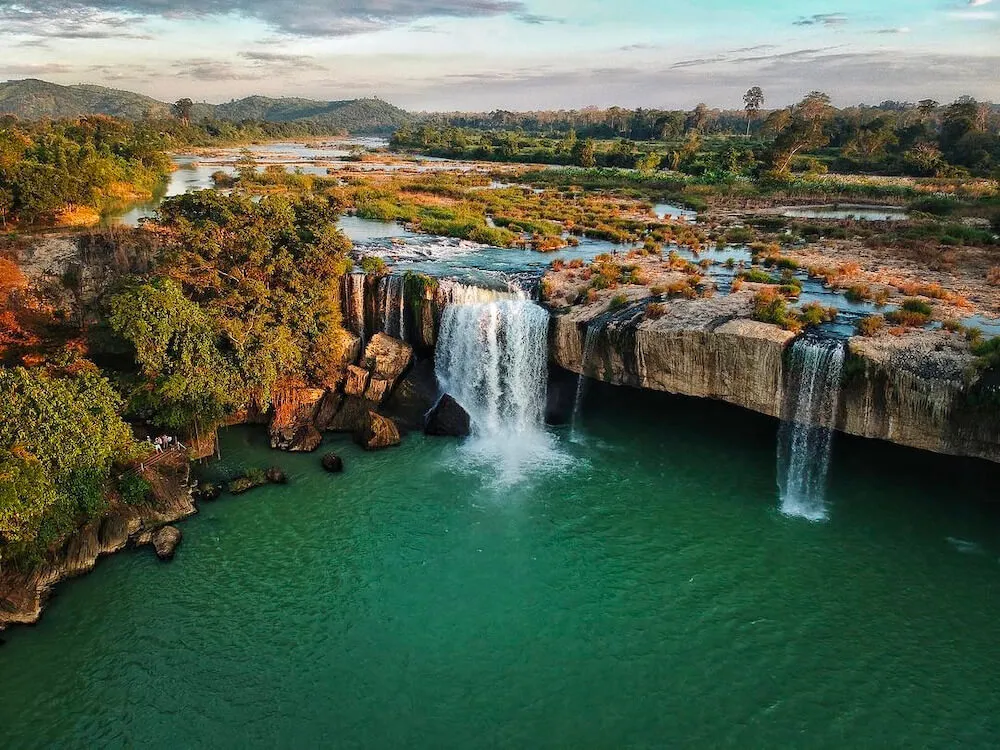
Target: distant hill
point(32, 99)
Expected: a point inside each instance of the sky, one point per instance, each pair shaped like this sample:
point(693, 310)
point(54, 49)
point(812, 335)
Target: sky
point(480, 55)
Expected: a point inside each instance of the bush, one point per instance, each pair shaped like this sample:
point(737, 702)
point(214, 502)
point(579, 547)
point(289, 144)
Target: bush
point(757, 276)
point(134, 490)
point(372, 265)
point(656, 310)
point(871, 325)
point(914, 305)
point(770, 307)
point(858, 293)
point(617, 302)
point(813, 313)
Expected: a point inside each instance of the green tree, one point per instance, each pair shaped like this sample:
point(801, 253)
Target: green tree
point(753, 99)
point(182, 110)
point(584, 153)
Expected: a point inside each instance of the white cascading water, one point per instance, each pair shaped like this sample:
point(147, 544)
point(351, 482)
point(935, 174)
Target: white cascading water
point(589, 344)
point(492, 357)
point(806, 433)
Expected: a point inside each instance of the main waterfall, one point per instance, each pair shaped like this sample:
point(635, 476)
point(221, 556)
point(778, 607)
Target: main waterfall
point(806, 433)
point(492, 358)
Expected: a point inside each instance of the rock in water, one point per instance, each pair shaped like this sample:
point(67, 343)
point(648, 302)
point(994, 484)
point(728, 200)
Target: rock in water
point(333, 463)
point(448, 419)
point(377, 432)
point(165, 541)
point(275, 475)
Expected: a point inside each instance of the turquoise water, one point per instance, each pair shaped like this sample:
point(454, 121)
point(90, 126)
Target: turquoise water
point(649, 594)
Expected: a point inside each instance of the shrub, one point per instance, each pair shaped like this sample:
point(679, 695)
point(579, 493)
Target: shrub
point(134, 489)
point(858, 293)
point(907, 318)
point(871, 325)
point(813, 313)
point(617, 302)
point(757, 276)
point(770, 307)
point(655, 310)
point(914, 305)
point(993, 276)
point(372, 265)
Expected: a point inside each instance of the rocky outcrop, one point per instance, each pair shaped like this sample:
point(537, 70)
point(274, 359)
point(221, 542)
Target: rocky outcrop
point(333, 463)
point(23, 594)
point(293, 425)
point(165, 541)
point(914, 390)
point(387, 359)
point(377, 432)
point(448, 419)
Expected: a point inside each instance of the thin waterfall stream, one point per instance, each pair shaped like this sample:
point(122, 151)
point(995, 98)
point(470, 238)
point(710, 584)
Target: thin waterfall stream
point(806, 434)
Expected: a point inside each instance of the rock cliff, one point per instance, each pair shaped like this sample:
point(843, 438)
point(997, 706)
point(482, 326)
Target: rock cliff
point(918, 389)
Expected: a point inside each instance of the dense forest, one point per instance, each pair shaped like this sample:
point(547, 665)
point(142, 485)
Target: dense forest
point(922, 140)
point(200, 316)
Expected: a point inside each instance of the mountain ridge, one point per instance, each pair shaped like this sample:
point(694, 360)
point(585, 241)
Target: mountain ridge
point(35, 99)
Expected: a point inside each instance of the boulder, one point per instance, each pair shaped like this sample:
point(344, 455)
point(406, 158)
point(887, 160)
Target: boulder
point(206, 491)
point(165, 541)
point(448, 419)
point(252, 479)
point(351, 414)
point(377, 432)
point(333, 463)
point(378, 389)
point(388, 358)
point(357, 381)
point(413, 397)
point(275, 475)
point(327, 410)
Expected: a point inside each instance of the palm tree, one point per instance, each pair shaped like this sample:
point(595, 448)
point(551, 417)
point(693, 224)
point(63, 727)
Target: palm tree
point(753, 99)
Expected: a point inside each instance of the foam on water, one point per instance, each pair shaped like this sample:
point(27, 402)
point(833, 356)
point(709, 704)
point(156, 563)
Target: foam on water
point(492, 358)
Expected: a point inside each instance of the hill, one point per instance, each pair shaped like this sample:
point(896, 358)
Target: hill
point(32, 99)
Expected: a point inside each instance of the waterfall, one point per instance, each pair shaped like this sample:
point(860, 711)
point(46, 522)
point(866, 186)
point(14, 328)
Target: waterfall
point(808, 417)
point(589, 343)
point(452, 292)
point(392, 305)
point(492, 357)
point(354, 305)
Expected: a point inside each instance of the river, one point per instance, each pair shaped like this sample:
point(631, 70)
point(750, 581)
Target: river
point(645, 592)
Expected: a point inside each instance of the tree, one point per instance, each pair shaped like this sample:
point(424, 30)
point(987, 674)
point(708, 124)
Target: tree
point(927, 107)
point(752, 100)
point(584, 153)
point(697, 119)
point(804, 130)
point(182, 110)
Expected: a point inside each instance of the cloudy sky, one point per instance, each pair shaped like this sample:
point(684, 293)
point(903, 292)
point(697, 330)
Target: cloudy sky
point(513, 54)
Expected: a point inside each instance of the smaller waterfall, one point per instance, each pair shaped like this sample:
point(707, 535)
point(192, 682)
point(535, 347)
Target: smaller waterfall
point(392, 305)
point(452, 292)
point(492, 357)
point(806, 434)
point(589, 344)
point(354, 305)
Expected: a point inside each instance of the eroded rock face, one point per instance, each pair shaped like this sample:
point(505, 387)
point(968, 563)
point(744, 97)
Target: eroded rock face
point(387, 358)
point(293, 424)
point(165, 541)
point(448, 419)
point(377, 432)
point(913, 389)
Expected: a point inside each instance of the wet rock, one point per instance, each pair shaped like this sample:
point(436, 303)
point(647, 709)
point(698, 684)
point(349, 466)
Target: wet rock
point(378, 389)
point(413, 397)
point(292, 426)
point(206, 491)
point(377, 432)
point(327, 410)
point(165, 541)
point(251, 480)
point(351, 414)
point(333, 463)
point(275, 475)
point(113, 532)
point(448, 419)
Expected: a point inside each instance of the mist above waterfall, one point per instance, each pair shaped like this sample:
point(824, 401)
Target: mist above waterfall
point(492, 357)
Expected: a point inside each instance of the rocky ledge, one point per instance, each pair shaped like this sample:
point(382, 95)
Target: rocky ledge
point(919, 389)
point(23, 594)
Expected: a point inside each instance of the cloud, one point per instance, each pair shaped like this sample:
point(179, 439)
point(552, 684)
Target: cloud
point(310, 18)
point(974, 15)
point(822, 19)
point(204, 69)
point(34, 69)
point(978, 3)
point(900, 30)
